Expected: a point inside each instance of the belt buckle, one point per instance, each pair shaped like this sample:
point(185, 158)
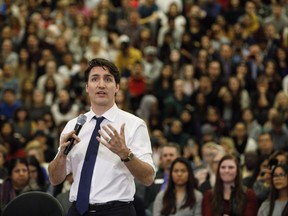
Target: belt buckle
point(91, 211)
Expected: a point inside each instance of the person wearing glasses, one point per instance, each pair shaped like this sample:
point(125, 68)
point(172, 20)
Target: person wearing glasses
point(277, 203)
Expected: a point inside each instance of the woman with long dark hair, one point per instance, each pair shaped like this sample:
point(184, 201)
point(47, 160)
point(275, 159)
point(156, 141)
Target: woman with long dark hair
point(37, 173)
point(17, 182)
point(277, 204)
point(181, 196)
point(229, 196)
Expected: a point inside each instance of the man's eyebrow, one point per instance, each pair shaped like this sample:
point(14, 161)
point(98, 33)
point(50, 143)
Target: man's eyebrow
point(105, 75)
point(108, 75)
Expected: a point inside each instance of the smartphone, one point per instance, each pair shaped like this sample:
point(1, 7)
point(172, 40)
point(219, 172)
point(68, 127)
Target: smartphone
point(272, 163)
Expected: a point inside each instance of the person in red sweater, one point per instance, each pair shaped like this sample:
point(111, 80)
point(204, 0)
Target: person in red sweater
point(136, 85)
point(229, 196)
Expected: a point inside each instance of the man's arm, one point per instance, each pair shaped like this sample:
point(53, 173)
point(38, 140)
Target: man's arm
point(141, 170)
point(57, 167)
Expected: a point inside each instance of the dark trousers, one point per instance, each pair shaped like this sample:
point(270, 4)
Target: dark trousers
point(119, 210)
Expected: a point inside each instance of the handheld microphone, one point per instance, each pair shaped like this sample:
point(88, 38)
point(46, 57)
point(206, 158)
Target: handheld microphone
point(80, 122)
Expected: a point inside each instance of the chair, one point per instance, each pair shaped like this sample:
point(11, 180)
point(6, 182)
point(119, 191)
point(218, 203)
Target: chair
point(34, 203)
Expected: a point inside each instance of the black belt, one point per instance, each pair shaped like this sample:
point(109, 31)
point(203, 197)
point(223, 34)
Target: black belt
point(104, 206)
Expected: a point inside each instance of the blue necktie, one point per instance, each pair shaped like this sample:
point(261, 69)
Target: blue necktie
point(82, 202)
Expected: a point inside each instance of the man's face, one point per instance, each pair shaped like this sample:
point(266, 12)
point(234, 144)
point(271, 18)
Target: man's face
point(240, 130)
point(265, 143)
point(51, 68)
point(214, 70)
point(101, 87)
point(168, 156)
point(9, 97)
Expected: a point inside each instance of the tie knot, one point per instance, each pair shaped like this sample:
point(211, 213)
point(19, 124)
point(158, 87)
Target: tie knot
point(99, 119)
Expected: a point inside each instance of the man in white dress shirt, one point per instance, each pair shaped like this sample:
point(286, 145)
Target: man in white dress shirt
point(124, 149)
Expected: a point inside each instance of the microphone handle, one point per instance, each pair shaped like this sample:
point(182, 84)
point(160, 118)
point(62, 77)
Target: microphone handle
point(71, 144)
point(69, 147)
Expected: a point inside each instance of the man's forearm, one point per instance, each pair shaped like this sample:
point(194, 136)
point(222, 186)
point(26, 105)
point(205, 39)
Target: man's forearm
point(57, 169)
point(141, 171)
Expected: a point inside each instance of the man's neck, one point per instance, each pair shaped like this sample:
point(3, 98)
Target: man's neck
point(100, 110)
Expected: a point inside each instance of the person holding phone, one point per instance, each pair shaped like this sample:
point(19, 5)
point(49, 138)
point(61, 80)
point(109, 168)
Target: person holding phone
point(277, 203)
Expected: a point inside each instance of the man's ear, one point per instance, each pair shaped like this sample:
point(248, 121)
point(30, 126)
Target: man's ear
point(117, 88)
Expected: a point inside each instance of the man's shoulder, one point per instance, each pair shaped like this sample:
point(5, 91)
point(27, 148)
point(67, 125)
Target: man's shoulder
point(129, 115)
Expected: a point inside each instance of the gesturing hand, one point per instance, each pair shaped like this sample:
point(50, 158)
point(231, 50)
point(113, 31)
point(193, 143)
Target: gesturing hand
point(113, 140)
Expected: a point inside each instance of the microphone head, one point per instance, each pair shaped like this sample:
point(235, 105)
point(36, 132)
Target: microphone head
point(81, 119)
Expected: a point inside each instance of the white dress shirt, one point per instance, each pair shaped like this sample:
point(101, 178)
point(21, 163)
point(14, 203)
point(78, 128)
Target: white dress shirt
point(111, 178)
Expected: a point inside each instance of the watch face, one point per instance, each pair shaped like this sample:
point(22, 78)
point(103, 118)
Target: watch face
point(130, 156)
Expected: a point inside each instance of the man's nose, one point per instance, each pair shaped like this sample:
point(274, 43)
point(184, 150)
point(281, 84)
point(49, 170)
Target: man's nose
point(101, 82)
point(22, 172)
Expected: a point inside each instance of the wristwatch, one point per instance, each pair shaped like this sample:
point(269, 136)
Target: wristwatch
point(129, 156)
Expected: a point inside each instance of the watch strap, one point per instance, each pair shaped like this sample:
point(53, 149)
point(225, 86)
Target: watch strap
point(129, 157)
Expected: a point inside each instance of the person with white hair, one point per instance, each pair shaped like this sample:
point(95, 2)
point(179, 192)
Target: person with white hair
point(96, 50)
point(151, 63)
point(206, 174)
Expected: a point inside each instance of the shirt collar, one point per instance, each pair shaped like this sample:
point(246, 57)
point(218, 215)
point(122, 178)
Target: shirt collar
point(110, 114)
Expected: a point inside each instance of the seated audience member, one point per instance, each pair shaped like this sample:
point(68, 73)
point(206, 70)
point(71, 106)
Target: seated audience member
point(181, 196)
point(17, 182)
point(63, 196)
point(273, 111)
point(279, 133)
point(207, 134)
point(227, 143)
point(38, 107)
point(209, 183)
point(126, 56)
point(229, 196)
point(206, 174)
point(277, 204)
point(252, 125)
point(23, 126)
point(192, 153)
point(258, 179)
point(242, 142)
point(281, 157)
point(9, 139)
point(168, 154)
point(3, 168)
point(262, 186)
point(250, 164)
point(36, 149)
point(176, 134)
point(37, 174)
point(152, 65)
point(9, 103)
point(43, 139)
point(51, 72)
point(265, 144)
point(136, 85)
point(65, 108)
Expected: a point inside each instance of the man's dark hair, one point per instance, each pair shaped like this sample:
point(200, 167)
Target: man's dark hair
point(106, 65)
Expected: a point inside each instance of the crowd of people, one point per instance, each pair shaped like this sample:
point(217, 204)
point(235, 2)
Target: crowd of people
point(209, 78)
